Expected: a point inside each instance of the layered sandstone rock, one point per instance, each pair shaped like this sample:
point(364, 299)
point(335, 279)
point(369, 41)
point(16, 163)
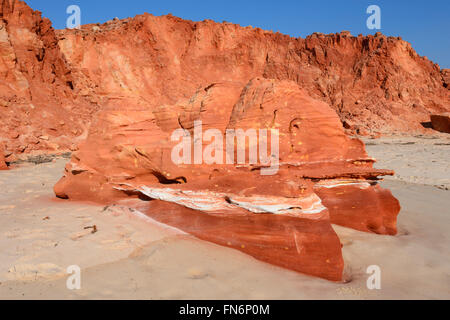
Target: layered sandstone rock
point(39, 107)
point(361, 205)
point(129, 152)
point(304, 245)
point(441, 122)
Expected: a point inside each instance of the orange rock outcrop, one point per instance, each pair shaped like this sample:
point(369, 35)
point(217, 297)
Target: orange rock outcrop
point(441, 122)
point(39, 107)
point(379, 83)
point(129, 152)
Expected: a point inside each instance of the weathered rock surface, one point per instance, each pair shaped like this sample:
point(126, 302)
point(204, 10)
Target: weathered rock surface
point(305, 245)
point(128, 152)
point(40, 110)
point(446, 78)
point(378, 82)
point(441, 122)
point(361, 205)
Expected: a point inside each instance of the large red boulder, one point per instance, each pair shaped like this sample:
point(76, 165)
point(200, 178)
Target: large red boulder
point(272, 210)
point(441, 122)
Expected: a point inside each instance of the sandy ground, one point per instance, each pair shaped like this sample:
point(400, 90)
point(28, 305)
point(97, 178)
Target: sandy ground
point(130, 257)
point(424, 160)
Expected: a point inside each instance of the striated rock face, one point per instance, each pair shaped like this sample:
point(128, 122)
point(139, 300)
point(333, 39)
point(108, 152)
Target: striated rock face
point(441, 122)
point(39, 107)
point(361, 205)
point(279, 211)
point(3, 165)
point(379, 83)
point(306, 245)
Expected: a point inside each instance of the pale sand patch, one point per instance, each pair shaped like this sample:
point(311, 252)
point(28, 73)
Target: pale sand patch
point(129, 258)
point(423, 160)
point(45, 230)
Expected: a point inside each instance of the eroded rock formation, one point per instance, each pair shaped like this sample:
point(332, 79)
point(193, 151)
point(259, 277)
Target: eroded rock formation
point(446, 78)
point(129, 152)
point(380, 83)
point(441, 122)
point(39, 108)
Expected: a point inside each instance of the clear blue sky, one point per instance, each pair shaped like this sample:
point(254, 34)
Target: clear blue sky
point(425, 24)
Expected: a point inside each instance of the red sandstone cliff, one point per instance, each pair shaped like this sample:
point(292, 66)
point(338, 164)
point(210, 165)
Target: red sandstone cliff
point(51, 82)
point(377, 82)
point(39, 108)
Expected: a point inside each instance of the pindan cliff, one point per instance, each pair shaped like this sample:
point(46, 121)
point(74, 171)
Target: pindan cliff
point(51, 82)
point(39, 109)
point(377, 83)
